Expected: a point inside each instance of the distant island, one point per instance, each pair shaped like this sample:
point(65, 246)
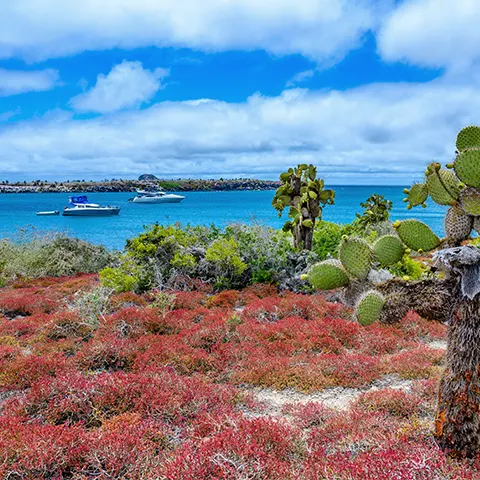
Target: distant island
point(145, 182)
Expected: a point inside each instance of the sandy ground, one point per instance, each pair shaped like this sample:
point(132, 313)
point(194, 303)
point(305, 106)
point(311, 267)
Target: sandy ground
point(338, 398)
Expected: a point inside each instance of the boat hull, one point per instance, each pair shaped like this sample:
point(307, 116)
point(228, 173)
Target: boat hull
point(150, 200)
point(100, 212)
point(48, 214)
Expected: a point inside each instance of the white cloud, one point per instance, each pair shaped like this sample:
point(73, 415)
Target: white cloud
point(319, 29)
point(381, 133)
point(433, 33)
point(300, 77)
point(127, 85)
point(5, 116)
point(13, 82)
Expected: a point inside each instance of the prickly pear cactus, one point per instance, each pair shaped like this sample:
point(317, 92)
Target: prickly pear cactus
point(388, 250)
point(356, 256)
point(467, 167)
point(328, 275)
point(470, 201)
point(468, 137)
point(369, 307)
point(416, 195)
point(458, 186)
point(442, 185)
point(305, 196)
point(417, 235)
point(458, 224)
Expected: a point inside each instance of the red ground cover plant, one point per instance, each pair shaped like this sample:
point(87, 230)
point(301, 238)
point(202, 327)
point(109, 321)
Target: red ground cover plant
point(142, 393)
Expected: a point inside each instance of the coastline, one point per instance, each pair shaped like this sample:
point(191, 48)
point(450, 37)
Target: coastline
point(118, 186)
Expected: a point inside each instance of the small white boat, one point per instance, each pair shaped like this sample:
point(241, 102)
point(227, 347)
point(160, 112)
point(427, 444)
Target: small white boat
point(48, 213)
point(156, 197)
point(79, 207)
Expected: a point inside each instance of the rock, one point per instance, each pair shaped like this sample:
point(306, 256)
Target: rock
point(147, 177)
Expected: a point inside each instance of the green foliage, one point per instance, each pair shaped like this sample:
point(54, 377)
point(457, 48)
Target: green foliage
point(305, 196)
point(118, 280)
point(184, 262)
point(376, 210)
point(408, 267)
point(236, 257)
point(326, 239)
point(224, 255)
point(36, 254)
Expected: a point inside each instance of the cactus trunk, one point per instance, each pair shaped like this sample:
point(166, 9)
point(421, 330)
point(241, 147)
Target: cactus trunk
point(457, 424)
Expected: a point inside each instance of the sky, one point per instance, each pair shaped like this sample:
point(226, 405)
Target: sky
point(370, 91)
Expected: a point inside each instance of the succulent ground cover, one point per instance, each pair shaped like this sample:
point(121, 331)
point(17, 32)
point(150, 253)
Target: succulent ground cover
point(244, 384)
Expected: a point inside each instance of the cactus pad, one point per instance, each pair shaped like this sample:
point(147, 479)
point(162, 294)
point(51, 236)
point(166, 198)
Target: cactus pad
point(468, 137)
point(458, 224)
point(467, 167)
point(388, 250)
point(328, 275)
point(356, 256)
point(470, 201)
point(369, 307)
point(443, 187)
point(417, 194)
point(416, 235)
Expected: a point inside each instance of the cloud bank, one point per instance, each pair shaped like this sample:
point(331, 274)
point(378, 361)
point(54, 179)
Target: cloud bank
point(319, 29)
point(127, 85)
point(14, 82)
point(379, 133)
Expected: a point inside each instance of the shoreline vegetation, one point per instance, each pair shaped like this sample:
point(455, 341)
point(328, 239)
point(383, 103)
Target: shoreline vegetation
point(144, 182)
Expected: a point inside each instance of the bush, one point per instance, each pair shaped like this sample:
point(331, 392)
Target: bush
point(224, 255)
point(176, 257)
point(34, 254)
point(118, 280)
point(326, 239)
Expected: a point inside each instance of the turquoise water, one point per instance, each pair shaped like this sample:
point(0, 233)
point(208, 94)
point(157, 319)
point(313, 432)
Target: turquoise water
point(199, 208)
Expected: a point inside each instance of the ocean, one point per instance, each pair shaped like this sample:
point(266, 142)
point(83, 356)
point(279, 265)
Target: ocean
point(17, 211)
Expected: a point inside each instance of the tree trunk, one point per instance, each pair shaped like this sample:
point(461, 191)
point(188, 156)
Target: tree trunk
point(430, 298)
point(457, 423)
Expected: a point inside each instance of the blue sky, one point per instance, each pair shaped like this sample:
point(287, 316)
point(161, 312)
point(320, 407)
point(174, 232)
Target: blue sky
point(370, 91)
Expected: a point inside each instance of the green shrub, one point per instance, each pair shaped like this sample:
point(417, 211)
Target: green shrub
point(409, 267)
point(326, 238)
point(184, 262)
point(118, 280)
point(376, 210)
point(35, 254)
point(224, 255)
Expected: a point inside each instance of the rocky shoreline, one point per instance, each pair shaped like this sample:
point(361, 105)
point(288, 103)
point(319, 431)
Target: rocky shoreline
point(187, 185)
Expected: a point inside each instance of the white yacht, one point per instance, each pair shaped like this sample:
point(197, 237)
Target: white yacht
point(156, 197)
point(79, 207)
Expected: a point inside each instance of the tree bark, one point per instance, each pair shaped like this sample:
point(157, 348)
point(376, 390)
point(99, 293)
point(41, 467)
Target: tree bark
point(457, 423)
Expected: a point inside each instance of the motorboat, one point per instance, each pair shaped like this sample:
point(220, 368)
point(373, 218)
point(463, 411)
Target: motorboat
point(156, 197)
point(48, 213)
point(79, 207)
